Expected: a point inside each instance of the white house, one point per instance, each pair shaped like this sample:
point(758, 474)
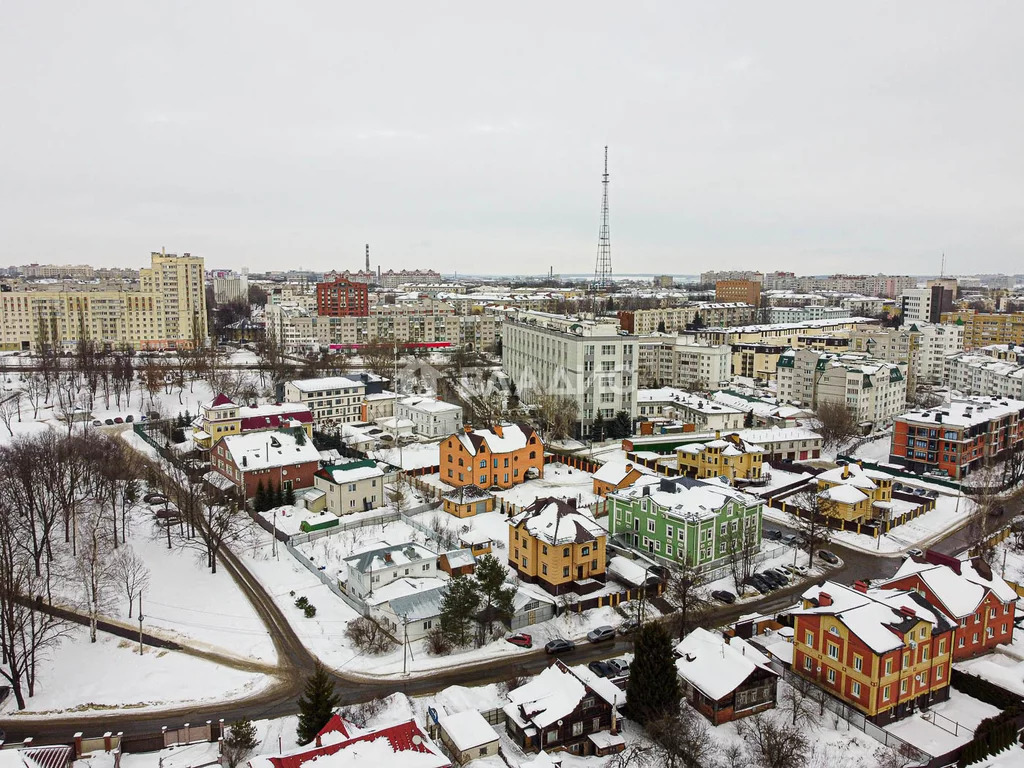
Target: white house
point(357, 486)
point(671, 403)
point(468, 736)
point(430, 417)
point(368, 571)
point(334, 400)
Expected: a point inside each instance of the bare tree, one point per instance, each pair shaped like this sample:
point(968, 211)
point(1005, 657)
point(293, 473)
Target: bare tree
point(35, 386)
point(687, 589)
point(130, 573)
point(837, 423)
point(9, 408)
point(94, 564)
point(742, 548)
point(795, 699)
point(813, 523)
point(368, 636)
point(774, 744)
point(682, 740)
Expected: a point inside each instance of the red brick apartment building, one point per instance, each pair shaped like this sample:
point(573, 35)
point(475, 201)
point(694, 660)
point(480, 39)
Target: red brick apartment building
point(342, 298)
point(958, 437)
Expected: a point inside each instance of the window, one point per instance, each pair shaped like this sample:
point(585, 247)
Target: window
point(924, 653)
point(585, 551)
point(577, 728)
point(808, 663)
point(668, 551)
point(565, 572)
point(650, 525)
point(856, 689)
point(668, 531)
point(833, 651)
point(960, 643)
point(565, 552)
point(858, 663)
point(544, 568)
point(885, 693)
point(938, 673)
point(906, 660)
point(834, 631)
point(588, 702)
point(524, 561)
point(831, 675)
point(942, 647)
point(809, 640)
point(903, 685)
point(888, 666)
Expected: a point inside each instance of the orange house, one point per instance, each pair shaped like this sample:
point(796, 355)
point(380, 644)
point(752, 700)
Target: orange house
point(502, 456)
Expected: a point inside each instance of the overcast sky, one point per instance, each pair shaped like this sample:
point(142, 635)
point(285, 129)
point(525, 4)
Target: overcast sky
point(468, 137)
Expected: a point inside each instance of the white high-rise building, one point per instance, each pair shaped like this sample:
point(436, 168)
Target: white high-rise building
point(594, 363)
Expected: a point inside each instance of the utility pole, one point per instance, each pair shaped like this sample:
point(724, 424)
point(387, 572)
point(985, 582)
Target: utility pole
point(405, 645)
point(140, 623)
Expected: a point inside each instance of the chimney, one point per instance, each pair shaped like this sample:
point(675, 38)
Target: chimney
point(718, 434)
point(245, 461)
point(496, 429)
point(846, 471)
point(984, 569)
point(860, 586)
point(467, 429)
point(824, 599)
point(906, 610)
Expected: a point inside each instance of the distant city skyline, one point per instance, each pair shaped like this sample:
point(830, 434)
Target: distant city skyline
point(795, 136)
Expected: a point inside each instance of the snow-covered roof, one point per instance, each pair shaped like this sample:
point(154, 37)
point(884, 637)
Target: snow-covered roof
point(551, 696)
point(328, 382)
point(418, 606)
point(466, 494)
point(388, 556)
point(460, 558)
point(616, 471)
point(557, 521)
point(403, 745)
point(351, 472)
point(513, 437)
point(713, 666)
point(263, 450)
point(688, 400)
point(467, 729)
point(879, 617)
point(429, 405)
point(690, 500)
point(966, 412)
point(959, 593)
point(843, 494)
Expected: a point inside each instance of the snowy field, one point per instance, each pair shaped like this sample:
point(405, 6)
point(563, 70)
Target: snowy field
point(876, 451)
point(412, 456)
point(559, 480)
point(83, 678)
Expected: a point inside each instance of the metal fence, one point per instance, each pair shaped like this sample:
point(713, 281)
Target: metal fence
point(853, 717)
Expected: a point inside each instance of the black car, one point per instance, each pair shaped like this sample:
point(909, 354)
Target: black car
point(760, 580)
point(773, 534)
point(772, 578)
point(724, 596)
point(559, 645)
point(602, 669)
point(828, 557)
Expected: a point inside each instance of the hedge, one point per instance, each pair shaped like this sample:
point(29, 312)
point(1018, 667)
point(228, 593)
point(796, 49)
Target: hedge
point(994, 734)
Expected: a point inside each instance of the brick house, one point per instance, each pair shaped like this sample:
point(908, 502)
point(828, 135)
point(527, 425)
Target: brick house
point(724, 678)
point(561, 708)
point(559, 547)
point(276, 459)
point(884, 652)
point(981, 603)
point(497, 457)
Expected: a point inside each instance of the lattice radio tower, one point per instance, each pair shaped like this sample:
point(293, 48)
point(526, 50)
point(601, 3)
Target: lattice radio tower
point(603, 269)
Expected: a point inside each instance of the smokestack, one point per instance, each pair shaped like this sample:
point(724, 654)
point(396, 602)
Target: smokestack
point(367, 257)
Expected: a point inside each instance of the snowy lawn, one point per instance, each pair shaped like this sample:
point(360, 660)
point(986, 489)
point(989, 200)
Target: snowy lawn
point(412, 456)
point(955, 724)
point(876, 451)
point(559, 480)
point(84, 677)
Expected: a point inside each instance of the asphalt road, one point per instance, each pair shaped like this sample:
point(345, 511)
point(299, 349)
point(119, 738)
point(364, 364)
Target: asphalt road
point(295, 662)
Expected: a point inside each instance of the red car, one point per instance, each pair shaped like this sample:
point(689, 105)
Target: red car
point(522, 640)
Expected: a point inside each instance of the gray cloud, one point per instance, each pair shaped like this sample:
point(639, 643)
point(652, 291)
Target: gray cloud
point(791, 135)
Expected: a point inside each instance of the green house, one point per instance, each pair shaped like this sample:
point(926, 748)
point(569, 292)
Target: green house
point(685, 521)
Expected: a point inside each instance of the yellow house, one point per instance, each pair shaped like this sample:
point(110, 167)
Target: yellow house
point(559, 547)
point(223, 417)
point(854, 493)
point(730, 457)
point(468, 500)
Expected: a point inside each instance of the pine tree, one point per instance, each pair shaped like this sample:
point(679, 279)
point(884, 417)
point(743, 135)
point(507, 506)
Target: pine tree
point(278, 496)
point(316, 705)
point(239, 743)
point(289, 496)
point(496, 596)
point(458, 604)
point(260, 501)
point(653, 688)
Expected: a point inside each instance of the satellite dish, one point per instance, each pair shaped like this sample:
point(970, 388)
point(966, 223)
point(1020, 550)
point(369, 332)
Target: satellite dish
point(559, 723)
point(417, 739)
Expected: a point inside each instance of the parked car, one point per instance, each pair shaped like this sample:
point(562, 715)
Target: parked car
point(97, 423)
point(920, 492)
point(559, 645)
point(629, 625)
point(773, 578)
point(796, 570)
point(601, 668)
point(155, 498)
point(773, 534)
point(129, 419)
point(118, 420)
point(521, 639)
point(828, 557)
point(915, 552)
point(791, 539)
point(600, 634)
point(899, 487)
point(778, 573)
point(724, 596)
point(109, 422)
point(621, 667)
